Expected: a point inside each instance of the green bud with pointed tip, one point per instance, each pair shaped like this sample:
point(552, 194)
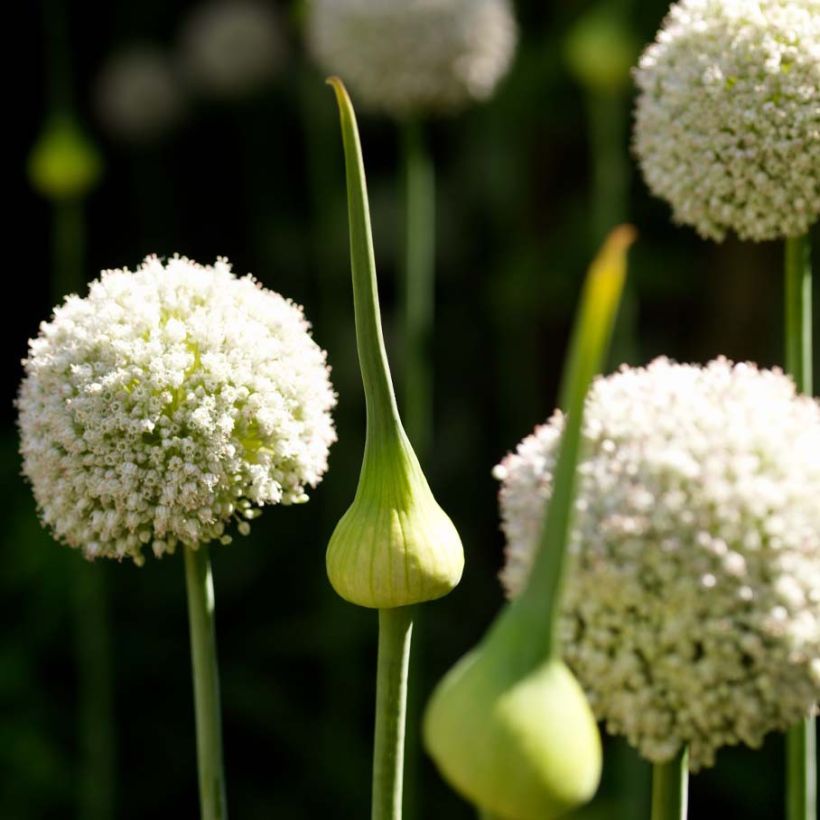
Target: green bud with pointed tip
point(520, 742)
point(508, 726)
point(394, 546)
point(63, 164)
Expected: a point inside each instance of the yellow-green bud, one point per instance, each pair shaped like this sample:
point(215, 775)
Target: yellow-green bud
point(508, 726)
point(520, 745)
point(394, 546)
point(63, 164)
point(600, 51)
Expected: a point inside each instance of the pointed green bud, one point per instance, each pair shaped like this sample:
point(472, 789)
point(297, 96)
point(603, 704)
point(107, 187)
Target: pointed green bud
point(509, 727)
point(520, 743)
point(63, 164)
point(395, 546)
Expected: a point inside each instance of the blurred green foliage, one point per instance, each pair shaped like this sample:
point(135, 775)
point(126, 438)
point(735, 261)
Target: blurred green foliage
point(261, 182)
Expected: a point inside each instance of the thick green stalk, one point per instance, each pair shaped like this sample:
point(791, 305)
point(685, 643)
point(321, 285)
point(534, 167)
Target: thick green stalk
point(801, 776)
point(799, 313)
point(395, 632)
point(801, 753)
point(200, 587)
point(419, 285)
point(670, 788)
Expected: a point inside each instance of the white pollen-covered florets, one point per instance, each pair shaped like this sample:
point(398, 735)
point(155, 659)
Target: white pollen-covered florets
point(230, 48)
point(691, 608)
point(169, 403)
point(414, 57)
point(727, 125)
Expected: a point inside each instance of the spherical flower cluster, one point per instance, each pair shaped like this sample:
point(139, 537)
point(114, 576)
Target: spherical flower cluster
point(138, 95)
point(727, 124)
point(414, 57)
point(231, 47)
point(691, 610)
point(168, 403)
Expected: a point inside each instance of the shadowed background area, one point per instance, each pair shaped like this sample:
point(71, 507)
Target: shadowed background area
point(258, 177)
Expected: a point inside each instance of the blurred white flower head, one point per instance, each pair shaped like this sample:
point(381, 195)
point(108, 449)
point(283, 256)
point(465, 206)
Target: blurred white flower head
point(138, 96)
point(414, 57)
point(168, 404)
point(231, 48)
point(727, 126)
point(691, 611)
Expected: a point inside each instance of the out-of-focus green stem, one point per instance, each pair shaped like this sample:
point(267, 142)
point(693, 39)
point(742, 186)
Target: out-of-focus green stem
point(395, 632)
point(419, 285)
point(607, 112)
point(95, 713)
point(670, 788)
point(801, 740)
point(213, 805)
point(68, 248)
point(96, 721)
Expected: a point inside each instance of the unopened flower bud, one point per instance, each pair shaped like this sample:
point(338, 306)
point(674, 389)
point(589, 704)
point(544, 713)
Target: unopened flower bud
point(520, 743)
point(395, 546)
point(63, 164)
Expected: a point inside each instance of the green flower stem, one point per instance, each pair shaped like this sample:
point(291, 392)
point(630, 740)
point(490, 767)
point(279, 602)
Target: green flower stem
point(670, 788)
point(419, 285)
point(200, 587)
point(798, 312)
point(395, 632)
point(96, 712)
point(607, 112)
point(801, 754)
point(801, 777)
point(95, 718)
point(68, 248)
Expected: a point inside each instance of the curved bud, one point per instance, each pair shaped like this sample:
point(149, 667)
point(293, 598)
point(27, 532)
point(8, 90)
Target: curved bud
point(63, 163)
point(522, 746)
point(395, 546)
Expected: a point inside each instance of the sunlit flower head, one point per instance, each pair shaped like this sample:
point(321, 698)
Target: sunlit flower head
point(691, 612)
point(231, 48)
point(727, 125)
point(137, 94)
point(168, 404)
point(414, 57)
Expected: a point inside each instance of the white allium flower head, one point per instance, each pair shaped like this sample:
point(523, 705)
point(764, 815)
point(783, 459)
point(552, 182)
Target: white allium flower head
point(169, 403)
point(414, 57)
point(727, 125)
point(138, 95)
point(230, 48)
point(691, 610)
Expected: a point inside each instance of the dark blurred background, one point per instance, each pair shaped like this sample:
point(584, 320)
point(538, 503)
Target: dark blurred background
point(259, 179)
